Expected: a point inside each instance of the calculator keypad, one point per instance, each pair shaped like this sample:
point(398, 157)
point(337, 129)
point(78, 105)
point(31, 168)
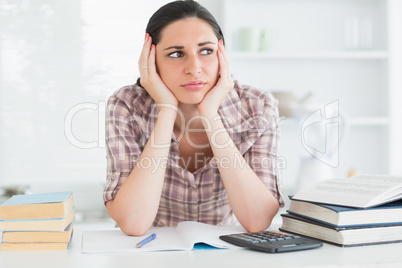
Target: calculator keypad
point(272, 241)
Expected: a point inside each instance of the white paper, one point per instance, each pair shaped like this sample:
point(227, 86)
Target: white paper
point(167, 238)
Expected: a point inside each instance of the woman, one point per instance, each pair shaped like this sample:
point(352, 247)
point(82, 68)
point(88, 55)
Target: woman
point(186, 142)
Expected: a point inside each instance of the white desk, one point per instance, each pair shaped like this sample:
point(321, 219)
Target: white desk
point(327, 256)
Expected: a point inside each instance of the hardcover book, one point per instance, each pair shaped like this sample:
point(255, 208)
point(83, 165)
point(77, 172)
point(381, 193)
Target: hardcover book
point(347, 216)
point(35, 246)
point(342, 236)
point(38, 236)
point(50, 224)
point(37, 206)
point(359, 191)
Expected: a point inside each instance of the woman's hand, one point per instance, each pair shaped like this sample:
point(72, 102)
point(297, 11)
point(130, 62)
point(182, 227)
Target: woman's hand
point(214, 98)
point(150, 79)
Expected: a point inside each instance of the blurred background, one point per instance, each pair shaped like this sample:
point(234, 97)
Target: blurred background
point(334, 66)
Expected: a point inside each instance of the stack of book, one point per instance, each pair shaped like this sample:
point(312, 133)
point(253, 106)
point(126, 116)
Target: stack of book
point(361, 210)
point(37, 221)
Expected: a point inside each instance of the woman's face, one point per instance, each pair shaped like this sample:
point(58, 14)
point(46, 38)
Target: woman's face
point(186, 59)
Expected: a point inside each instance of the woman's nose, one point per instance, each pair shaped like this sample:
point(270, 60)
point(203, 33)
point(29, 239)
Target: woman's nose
point(193, 65)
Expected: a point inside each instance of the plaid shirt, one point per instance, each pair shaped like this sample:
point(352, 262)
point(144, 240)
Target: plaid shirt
point(250, 117)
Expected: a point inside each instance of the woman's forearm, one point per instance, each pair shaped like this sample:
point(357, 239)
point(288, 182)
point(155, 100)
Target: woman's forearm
point(135, 206)
point(252, 202)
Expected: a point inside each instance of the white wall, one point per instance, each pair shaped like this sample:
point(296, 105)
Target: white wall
point(395, 44)
point(59, 62)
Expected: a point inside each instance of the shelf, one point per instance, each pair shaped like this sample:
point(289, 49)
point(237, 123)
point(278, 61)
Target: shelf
point(369, 121)
point(314, 57)
point(354, 122)
point(330, 55)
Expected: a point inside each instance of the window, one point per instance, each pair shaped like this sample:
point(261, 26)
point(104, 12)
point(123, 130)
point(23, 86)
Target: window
point(59, 63)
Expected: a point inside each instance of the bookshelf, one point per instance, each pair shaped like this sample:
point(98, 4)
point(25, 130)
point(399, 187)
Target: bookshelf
point(310, 51)
point(327, 55)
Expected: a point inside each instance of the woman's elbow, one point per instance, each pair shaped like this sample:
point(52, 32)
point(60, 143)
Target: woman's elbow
point(254, 226)
point(133, 229)
point(127, 224)
point(257, 224)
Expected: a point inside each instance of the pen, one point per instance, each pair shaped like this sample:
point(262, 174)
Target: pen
point(146, 240)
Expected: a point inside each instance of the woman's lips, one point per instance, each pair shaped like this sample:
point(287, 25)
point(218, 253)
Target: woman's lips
point(194, 85)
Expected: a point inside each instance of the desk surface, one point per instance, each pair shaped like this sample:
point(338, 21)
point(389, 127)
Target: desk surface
point(327, 256)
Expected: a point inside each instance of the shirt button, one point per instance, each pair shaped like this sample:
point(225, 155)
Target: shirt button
point(191, 189)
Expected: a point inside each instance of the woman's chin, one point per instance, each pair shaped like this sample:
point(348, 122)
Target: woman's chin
point(192, 99)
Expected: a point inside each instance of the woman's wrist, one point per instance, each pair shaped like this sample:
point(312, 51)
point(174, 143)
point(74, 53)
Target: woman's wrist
point(208, 119)
point(208, 112)
point(167, 111)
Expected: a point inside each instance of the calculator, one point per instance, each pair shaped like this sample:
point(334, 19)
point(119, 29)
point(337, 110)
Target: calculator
point(272, 241)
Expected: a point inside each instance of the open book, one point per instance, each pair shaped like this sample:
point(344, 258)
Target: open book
point(182, 237)
point(360, 191)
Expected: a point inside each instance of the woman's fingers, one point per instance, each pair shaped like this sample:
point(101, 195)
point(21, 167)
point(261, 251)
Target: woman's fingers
point(151, 59)
point(213, 99)
point(149, 77)
point(224, 64)
point(144, 57)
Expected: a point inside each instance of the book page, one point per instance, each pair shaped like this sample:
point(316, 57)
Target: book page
point(197, 232)
point(360, 191)
point(167, 238)
point(115, 241)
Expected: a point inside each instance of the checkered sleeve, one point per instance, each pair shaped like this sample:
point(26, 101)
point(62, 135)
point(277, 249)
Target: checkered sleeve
point(263, 158)
point(263, 155)
point(123, 143)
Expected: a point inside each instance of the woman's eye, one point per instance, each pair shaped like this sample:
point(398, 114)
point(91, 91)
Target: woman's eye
point(207, 51)
point(177, 54)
